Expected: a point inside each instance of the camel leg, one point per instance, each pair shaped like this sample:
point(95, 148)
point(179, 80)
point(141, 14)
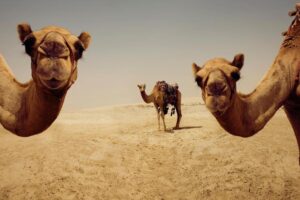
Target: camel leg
point(163, 119)
point(179, 115)
point(294, 117)
point(158, 115)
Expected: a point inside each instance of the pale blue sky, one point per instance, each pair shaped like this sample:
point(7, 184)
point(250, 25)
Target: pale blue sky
point(142, 41)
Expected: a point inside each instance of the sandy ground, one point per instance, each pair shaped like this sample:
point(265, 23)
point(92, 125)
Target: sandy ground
point(117, 153)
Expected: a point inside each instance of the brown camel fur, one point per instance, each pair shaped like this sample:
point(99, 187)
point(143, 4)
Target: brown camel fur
point(30, 108)
point(245, 115)
point(158, 98)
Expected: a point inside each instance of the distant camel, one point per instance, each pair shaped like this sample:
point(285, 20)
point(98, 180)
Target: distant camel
point(245, 115)
point(162, 95)
point(30, 108)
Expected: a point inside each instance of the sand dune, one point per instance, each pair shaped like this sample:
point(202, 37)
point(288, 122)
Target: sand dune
point(117, 153)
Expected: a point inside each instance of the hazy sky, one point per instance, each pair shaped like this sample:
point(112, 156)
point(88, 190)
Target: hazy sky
point(142, 41)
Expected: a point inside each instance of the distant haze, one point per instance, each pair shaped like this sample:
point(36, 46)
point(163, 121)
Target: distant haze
point(142, 41)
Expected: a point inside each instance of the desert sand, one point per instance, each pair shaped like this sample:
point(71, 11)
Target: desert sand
point(117, 152)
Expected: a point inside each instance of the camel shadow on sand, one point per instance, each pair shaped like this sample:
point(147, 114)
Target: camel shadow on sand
point(183, 128)
point(189, 127)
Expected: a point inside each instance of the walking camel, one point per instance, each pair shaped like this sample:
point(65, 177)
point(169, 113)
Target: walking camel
point(30, 108)
point(162, 95)
point(245, 115)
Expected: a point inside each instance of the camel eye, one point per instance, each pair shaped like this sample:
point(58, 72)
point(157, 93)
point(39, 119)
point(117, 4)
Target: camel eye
point(79, 50)
point(29, 44)
point(235, 76)
point(199, 81)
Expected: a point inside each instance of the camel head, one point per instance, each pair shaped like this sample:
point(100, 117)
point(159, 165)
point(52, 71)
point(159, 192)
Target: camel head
point(54, 53)
point(217, 79)
point(142, 87)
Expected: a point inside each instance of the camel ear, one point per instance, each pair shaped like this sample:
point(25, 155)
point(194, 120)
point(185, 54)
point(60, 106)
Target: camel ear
point(142, 86)
point(195, 68)
point(24, 30)
point(82, 44)
point(85, 38)
point(238, 61)
point(26, 37)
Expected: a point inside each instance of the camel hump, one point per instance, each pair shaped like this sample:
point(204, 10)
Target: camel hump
point(4, 66)
point(169, 92)
point(164, 86)
point(2, 59)
point(175, 85)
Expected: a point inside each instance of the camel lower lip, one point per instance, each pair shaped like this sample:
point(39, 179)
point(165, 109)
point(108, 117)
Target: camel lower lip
point(52, 83)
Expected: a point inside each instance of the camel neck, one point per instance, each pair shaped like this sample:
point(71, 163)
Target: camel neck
point(291, 41)
point(27, 109)
point(40, 108)
point(147, 98)
point(248, 114)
